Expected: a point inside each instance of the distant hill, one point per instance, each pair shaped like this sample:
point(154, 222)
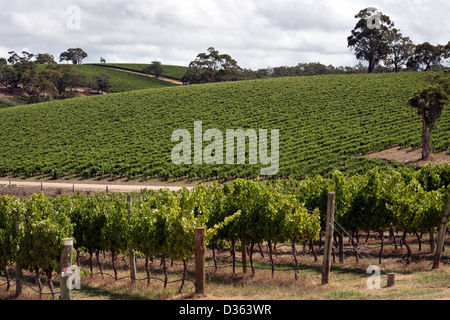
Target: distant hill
point(121, 81)
point(170, 71)
point(325, 122)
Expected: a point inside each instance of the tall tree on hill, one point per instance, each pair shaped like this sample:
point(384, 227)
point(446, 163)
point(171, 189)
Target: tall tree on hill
point(369, 41)
point(211, 67)
point(445, 53)
point(45, 58)
point(69, 79)
point(427, 55)
point(430, 103)
point(76, 55)
point(15, 58)
point(38, 84)
point(401, 49)
point(101, 82)
point(155, 68)
point(9, 78)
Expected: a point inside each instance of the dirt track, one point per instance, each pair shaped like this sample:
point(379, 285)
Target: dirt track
point(94, 187)
point(408, 155)
point(149, 75)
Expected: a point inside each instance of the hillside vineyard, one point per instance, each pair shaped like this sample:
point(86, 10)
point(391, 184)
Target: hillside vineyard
point(324, 123)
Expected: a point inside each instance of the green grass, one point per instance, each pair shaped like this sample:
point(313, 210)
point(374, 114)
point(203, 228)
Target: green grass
point(122, 81)
point(324, 123)
point(170, 71)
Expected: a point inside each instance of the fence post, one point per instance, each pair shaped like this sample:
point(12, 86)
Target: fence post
point(130, 248)
point(65, 263)
point(328, 238)
point(431, 233)
point(244, 258)
point(200, 260)
point(18, 266)
point(341, 248)
point(441, 238)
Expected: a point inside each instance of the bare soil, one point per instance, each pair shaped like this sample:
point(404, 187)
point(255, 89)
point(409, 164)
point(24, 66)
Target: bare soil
point(26, 187)
point(408, 155)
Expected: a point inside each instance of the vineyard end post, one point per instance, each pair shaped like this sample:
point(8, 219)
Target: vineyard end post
point(18, 266)
point(328, 238)
point(200, 260)
point(130, 248)
point(441, 238)
point(65, 263)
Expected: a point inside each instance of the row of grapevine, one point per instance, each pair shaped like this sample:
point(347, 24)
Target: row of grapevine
point(243, 212)
point(159, 223)
point(32, 234)
point(382, 199)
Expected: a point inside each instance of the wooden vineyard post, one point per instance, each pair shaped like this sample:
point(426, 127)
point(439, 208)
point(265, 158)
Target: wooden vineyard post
point(66, 263)
point(441, 238)
point(200, 260)
point(244, 258)
point(130, 248)
point(432, 241)
point(431, 233)
point(341, 248)
point(328, 238)
point(18, 266)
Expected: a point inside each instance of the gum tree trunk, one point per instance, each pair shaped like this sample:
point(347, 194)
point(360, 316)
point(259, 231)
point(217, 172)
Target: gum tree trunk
point(426, 135)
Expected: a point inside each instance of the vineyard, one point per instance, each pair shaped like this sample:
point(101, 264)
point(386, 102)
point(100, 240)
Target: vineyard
point(242, 214)
point(325, 123)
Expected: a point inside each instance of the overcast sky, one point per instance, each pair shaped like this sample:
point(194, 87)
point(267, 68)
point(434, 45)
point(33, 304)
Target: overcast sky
point(256, 33)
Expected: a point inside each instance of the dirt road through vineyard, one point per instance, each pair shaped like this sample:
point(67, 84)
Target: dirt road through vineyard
point(94, 187)
point(149, 75)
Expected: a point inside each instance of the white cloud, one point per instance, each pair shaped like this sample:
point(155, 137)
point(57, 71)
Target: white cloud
point(257, 33)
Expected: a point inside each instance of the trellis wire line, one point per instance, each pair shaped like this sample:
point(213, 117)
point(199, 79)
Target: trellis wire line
point(230, 266)
point(151, 278)
point(357, 251)
point(29, 286)
point(122, 278)
point(352, 240)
